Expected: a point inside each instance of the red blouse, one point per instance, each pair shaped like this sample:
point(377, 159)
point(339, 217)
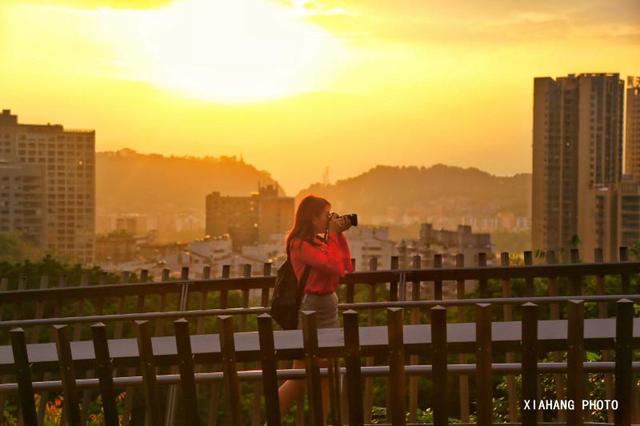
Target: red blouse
point(329, 261)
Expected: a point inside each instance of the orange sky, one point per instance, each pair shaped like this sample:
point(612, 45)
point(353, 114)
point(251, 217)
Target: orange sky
point(295, 86)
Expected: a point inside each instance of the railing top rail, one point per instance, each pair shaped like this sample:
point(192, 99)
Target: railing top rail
point(374, 340)
point(194, 313)
point(371, 277)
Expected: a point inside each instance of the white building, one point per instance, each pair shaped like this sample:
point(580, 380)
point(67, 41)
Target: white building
point(368, 242)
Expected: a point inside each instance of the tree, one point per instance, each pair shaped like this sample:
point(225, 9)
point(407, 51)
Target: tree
point(15, 248)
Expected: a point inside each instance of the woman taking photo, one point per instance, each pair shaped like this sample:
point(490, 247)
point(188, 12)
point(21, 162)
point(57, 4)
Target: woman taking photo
point(327, 261)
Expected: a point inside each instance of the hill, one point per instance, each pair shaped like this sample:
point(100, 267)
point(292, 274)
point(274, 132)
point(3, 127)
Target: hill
point(387, 193)
point(128, 181)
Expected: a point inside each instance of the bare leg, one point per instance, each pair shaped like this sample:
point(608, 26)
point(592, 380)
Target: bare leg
point(324, 389)
point(290, 390)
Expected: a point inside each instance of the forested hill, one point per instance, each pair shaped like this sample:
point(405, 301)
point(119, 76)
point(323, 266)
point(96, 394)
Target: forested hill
point(127, 181)
point(437, 190)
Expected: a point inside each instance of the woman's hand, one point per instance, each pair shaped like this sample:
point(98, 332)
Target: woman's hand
point(338, 224)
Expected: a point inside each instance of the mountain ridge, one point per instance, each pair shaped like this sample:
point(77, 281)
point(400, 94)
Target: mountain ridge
point(129, 181)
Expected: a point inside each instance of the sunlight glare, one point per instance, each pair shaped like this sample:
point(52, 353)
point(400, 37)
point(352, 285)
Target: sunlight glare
point(227, 51)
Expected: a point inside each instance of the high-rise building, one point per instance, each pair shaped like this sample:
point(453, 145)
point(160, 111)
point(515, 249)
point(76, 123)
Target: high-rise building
point(251, 219)
point(629, 216)
point(22, 201)
point(577, 162)
point(632, 130)
point(48, 176)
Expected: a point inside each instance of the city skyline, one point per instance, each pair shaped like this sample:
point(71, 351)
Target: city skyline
point(452, 85)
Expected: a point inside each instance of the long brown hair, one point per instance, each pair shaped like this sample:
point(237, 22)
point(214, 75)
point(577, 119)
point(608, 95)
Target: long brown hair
point(309, 208)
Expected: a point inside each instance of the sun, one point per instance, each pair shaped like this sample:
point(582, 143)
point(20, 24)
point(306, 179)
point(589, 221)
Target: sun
point(226, 51)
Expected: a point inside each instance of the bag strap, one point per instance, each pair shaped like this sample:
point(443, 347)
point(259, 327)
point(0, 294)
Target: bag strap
point(303, 282)
point(305, 276)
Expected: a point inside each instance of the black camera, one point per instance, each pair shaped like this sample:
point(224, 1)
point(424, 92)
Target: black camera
point(353, 218)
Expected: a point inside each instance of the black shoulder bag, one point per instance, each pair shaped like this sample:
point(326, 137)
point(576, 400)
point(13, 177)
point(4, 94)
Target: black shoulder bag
point(287, 295)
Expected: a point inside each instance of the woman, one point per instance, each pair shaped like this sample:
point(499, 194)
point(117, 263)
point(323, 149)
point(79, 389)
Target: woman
point(328, 261)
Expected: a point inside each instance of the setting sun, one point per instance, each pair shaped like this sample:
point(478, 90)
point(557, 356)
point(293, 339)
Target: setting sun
point(231, 52)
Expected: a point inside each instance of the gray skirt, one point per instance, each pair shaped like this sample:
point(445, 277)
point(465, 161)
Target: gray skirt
point(325, 306)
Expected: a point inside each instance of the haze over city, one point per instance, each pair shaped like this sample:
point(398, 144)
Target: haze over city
point(293, 87)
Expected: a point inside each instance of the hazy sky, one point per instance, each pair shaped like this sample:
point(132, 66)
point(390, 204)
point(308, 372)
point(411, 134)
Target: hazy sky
point(295, 86)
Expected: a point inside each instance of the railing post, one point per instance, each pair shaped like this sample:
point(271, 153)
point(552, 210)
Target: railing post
point(624, 358)
point(368, 381)
point(18, 308)
point(246, 273)
point(231, 384)
point(530, 289)
point(550, 259)
point(437, 284)
point(352, 364)
point(310, 338)
point(70, 393)
point(415, 287)
point(204, 296)
point(484, 389)
point(439, 362)
point(104, 370)
point(144, 275)
point(507, 312)
point(576, 280)
point(483, 283)
point(506, 287)
point(224, 293)
point(214, 398)
point(350, 285)
point(23, 372)
point(554, 314)
point(269, 370)
point(624, 257)
point(264, 291)
point(598, 257)
point(169, 418)
point(187, 373)
point(393, 285)
point(413, 359)
point(575, 358)
point(184, 293)
point(463, 380)
point(40, 309)
point(148, 368)
point(333, 372)
point(396, 366)
point(529, 363)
